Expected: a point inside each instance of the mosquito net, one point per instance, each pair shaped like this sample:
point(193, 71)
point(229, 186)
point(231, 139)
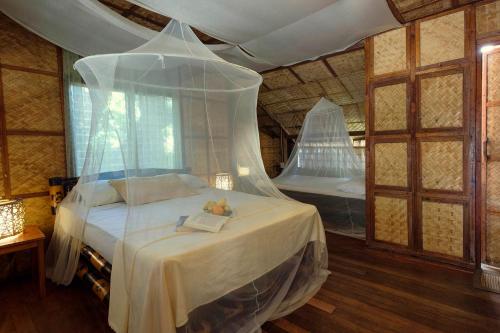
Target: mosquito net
point(323, 147)
point(174, 133)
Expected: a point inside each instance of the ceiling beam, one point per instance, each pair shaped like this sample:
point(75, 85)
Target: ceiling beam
point(395, 11)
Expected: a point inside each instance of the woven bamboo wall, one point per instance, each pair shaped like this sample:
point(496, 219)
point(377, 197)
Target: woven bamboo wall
point(441, 39)
point(420, 114)
point(271, 154)
point(390, 109)
point(389, 52)
point(391, 220)
point(441, 101)
point(488, 19)
point(442, 228)
point(33, 138)
point(442, 165)
point(391, 160)
point(491, 104)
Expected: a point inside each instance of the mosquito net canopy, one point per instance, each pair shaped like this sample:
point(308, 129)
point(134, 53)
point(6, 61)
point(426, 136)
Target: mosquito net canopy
point(323, 147)
point(173, 133)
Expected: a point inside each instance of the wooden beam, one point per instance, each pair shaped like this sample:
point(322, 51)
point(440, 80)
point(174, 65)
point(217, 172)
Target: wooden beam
point(296, 75)
point(130, 11)
point(395, 11)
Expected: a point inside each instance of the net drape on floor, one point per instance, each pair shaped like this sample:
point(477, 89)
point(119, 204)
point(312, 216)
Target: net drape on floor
point(172, 106)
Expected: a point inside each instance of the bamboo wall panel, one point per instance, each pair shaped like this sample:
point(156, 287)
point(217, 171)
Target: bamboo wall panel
point(429, 100)
point(198, 159)
point(493, 186)
point(442, 39)
point(493, 78)
point(493, 239)
point(32, 101)
point(389, 52)
point(442, 228)
point(391, 220)
point(20, 47)
point(33, 160)
point(493, 130)
point(441, 101)
point(38, 212)
point(488, 18)
point(271, 154)
point(391, 164)
point(390, 107)
point(442, 165)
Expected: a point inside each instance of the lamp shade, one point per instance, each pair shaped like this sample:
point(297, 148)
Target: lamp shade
point(11, 217)
point(224, 181)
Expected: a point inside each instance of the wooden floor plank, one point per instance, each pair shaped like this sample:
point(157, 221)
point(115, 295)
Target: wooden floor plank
point(321, 305)
point(369, 291)
point(288, 326)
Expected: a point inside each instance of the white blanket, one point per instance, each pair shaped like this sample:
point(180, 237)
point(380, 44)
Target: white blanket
point(339, 187)
point(174, 273)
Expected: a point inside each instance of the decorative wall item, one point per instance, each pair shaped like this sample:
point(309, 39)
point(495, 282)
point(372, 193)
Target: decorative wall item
point(32, 139)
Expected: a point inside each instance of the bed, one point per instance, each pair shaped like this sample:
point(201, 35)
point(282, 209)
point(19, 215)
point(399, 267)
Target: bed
point(267, 234)
point(340, 201)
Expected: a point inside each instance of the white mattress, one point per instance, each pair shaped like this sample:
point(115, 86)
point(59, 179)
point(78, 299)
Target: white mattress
point(105, 224)
point(265, 232)
point(320, 185)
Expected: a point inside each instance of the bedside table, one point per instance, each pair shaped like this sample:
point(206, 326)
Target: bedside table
point(32, 238)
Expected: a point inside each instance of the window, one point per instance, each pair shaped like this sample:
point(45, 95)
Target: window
point(156, 120)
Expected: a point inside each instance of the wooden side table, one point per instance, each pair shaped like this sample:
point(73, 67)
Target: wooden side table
point(32, 238)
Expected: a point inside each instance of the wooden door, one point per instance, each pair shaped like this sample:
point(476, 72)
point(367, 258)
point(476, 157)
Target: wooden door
point(491, 157)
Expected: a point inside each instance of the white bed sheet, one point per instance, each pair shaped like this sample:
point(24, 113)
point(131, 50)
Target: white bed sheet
point(265, 231)
point(105, 224)
point(318, 185)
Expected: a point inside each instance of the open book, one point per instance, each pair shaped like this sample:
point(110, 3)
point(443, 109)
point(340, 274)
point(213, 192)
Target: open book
point(205, 221)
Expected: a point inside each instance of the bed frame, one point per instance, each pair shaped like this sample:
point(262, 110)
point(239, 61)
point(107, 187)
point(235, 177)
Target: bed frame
point(340, 215)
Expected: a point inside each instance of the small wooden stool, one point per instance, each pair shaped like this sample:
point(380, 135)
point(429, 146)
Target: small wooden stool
point(32, 238)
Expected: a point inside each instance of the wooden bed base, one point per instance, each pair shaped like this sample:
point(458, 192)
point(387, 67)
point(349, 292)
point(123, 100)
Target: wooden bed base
point(340, 215)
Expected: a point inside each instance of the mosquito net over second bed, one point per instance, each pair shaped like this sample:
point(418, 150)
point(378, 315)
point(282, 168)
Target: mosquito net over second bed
point(323, 156)
point(173, 134)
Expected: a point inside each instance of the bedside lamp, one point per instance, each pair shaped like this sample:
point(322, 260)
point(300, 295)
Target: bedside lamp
point(224, 181)
point(11, 217)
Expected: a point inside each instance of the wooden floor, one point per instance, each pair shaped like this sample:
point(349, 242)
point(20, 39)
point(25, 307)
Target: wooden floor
point(371, 291)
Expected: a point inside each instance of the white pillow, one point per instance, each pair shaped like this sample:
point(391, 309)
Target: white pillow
point(151, 189)
point(356, 186)
point(193, 181)
point(99, 193)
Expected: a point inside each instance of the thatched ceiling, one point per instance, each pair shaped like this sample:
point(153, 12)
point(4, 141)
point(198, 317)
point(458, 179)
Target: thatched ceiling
point(410, 10)
point(288, 93)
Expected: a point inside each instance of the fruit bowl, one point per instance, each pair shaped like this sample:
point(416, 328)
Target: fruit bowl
point(219, 207)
